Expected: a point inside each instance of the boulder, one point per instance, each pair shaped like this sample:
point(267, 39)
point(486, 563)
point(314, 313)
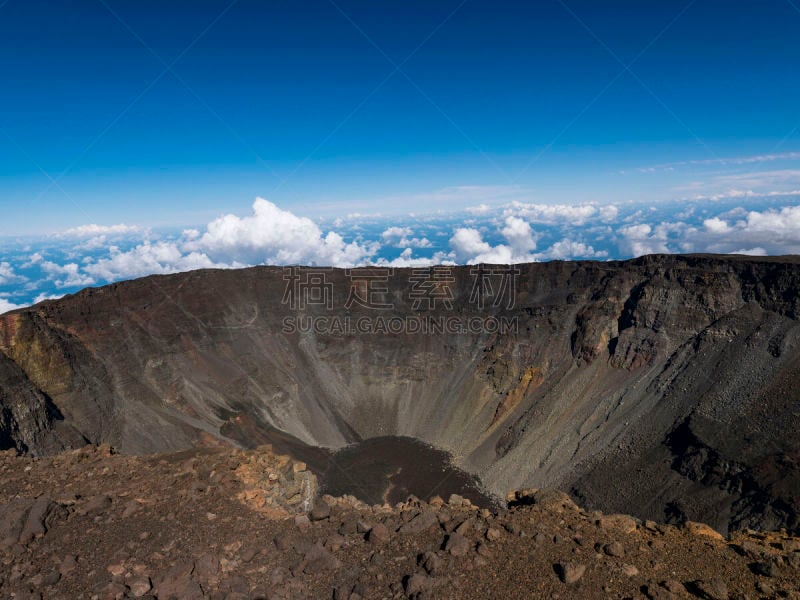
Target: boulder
point(422, 522)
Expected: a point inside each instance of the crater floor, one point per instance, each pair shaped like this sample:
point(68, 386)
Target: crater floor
point(390, 469)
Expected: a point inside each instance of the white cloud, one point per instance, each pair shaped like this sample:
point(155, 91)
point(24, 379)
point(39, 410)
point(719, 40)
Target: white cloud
point(92, 230)
point(641, 239)
point(481, 209)
point(6, 306)
point(769, 231)
point(269, 235)
point(68, 275)
point(551, 214)
point(609, 213)
point(736, 160)
point(716, 225)
point(45, 296)
point(147, 259)
point(733, 194)
point(775, 183)
point(750, 251)
point(633, 217)
point(570, 249)
point(640, 231)
point(357, 215)
point(519, 235)
point(395, 233)
point(274, 236)
point(468, 243)
point(469, 246)
point(407, 259)
point(776, 231)
point(7, 274)
point(783, 223)
point(742, 160)
point(400, 237)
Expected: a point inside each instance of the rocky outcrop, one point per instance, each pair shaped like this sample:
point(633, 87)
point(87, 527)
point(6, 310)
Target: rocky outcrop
point(29, 421)
point(23, 519)
point(587, 389)
point(275, 484)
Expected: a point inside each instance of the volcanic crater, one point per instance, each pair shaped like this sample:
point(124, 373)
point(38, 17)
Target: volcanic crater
point(665, 387)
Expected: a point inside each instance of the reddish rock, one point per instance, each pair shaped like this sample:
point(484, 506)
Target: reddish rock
point(570, 573)
point(457, 544)
point(379, 534)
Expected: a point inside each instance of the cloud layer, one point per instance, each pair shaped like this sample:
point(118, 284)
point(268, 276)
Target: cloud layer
point(513, 232)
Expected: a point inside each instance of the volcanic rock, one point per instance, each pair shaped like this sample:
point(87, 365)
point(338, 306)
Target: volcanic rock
point(570, 573)
point(320, 511)
point(712, 589)
point(379, 534)
point(457, 544)
point(423, 521)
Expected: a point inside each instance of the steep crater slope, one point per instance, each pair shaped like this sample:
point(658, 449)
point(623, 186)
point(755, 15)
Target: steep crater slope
point(665, 387)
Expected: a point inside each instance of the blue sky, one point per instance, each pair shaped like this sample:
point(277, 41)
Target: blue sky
point(149, 119)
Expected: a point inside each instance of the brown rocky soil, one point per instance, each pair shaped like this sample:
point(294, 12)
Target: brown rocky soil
point(222, 523)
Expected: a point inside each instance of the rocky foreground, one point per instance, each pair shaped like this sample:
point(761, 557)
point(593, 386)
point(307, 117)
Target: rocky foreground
point(222, 523)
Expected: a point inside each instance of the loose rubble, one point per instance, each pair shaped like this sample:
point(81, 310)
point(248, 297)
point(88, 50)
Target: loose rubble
point(93, 524)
